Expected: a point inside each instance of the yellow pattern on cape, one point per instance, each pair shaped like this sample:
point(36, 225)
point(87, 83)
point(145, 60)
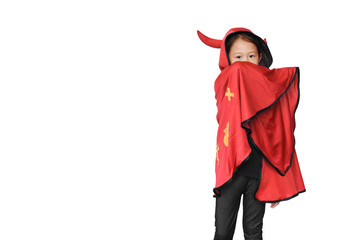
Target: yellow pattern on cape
point(226, 135)
point(229, 94)
point(217, 155)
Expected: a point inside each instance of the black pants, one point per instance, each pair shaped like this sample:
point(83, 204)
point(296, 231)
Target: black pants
point(227, 206)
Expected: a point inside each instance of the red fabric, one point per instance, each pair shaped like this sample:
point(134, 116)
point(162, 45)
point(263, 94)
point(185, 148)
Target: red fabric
point(258, 104)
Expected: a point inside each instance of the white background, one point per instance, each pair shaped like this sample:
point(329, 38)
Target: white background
point(108, 117)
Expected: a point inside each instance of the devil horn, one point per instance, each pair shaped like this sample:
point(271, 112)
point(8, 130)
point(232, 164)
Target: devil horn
point(209, 41)
point(265, 40)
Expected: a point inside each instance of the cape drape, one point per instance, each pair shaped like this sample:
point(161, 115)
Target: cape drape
point(258, 104)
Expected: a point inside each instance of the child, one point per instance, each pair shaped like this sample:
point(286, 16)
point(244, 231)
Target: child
point(255, 153)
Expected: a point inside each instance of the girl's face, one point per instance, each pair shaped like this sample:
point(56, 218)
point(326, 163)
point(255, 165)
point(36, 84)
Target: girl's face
point(242, 50)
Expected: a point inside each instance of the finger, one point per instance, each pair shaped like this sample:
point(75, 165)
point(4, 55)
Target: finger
point(273, 205)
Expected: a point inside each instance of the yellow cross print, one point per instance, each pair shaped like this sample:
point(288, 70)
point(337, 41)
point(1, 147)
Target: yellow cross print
point(229, 94)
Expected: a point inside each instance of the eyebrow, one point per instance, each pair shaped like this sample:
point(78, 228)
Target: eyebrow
point(242, 52)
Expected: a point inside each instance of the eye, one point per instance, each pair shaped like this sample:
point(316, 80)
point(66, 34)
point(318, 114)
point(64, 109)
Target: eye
point(238, 57)
point(252, 56)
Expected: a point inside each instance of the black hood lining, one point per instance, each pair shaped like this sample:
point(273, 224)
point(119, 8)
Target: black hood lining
point(266, 59)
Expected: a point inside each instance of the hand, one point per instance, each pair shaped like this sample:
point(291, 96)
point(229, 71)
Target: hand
point(273, 205)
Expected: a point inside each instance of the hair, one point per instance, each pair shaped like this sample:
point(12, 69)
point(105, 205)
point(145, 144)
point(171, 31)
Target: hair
point(245, 36)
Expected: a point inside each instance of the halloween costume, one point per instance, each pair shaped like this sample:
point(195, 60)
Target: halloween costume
point(256, 112)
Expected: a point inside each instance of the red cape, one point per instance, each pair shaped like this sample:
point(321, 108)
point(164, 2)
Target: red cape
point(258, 104)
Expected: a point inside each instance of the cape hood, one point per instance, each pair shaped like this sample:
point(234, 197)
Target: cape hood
point(224, 61)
